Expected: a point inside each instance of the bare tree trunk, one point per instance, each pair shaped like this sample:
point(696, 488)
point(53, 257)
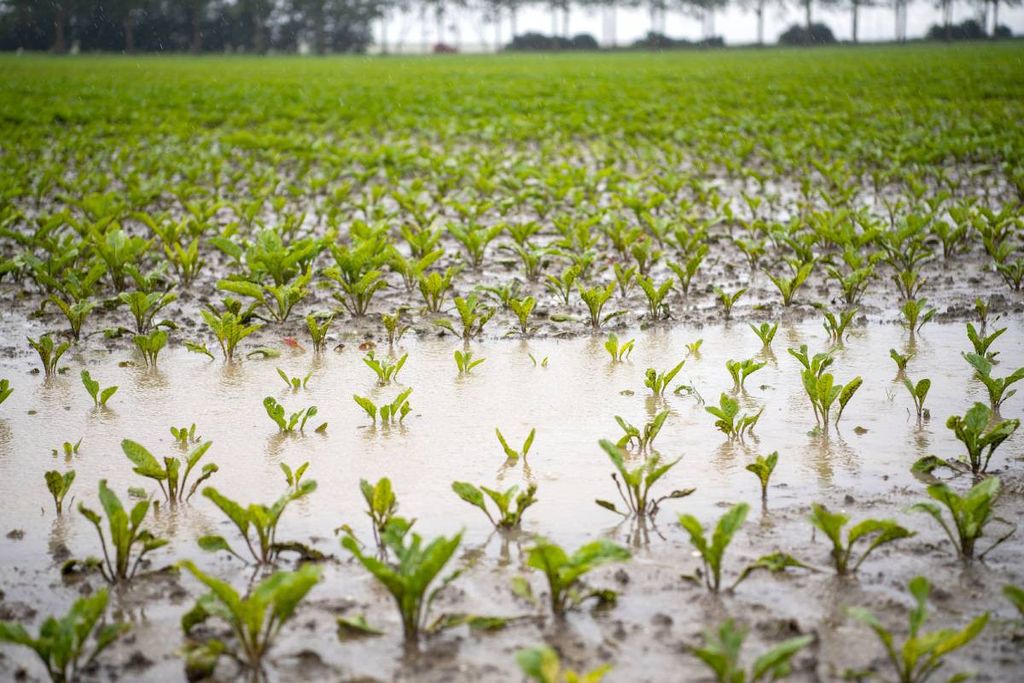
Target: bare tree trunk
point(60, 43)
point(807, 17)
point(854, 7)
point(995, 16)
point(319, 34)
point(565, 20)
point(423, 28)
point(512, 20)
point(197, 32)
point(439, 20)
point(128, 24)
point(258, 39)
point(383, 31)
point(760, 24)
point(497, 30)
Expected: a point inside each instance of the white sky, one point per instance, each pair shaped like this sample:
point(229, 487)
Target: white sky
point(735, 25)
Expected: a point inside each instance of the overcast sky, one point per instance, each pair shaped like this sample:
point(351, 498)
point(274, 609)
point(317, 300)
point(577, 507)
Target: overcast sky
point(734, 25)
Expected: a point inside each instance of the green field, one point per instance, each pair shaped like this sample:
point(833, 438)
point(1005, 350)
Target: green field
point(870, 106)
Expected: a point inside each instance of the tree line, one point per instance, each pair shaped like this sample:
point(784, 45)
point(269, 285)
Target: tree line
point(257, 26)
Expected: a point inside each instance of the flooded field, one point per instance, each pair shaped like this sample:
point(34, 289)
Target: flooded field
point(862, 467)
point(743, 328)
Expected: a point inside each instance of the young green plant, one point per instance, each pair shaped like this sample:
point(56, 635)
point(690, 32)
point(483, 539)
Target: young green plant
point(635, 485)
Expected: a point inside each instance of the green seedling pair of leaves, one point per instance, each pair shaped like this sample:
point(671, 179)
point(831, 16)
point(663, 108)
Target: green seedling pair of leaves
point(381, 506)
point(297, 420)
point(836, 325)
point(595, 299)
point(788, 286)
point(465, 362)
point(71, 643)
point(176, 489)
point(58, 485)
point(740, 370)
point(68, 449)
point(721, 654)
point(901, 361)
point(920, 655)
point(473, 316)
point(390, 414)
point(318, 330)
point(762, 468)
point(619, 352)
point(433, 288)
point(980, 432)
point(658, 382)
point(393, 326)
point(635, 485)
point(277, 299)
point(728, 300)
point(523, 309)
point(998, 388)
point(255, 618)
point(511, 503)
point(5, 390)
point(357, 294)
point(982, 342)
point(969, 514)
point(712, 549)
point(183, 436)
point(765, 332)
point(656, 294)
point(409, 578)
point(643, 439)
point(915, 314)
point(561, 285)
point(150, 345)
point(257, 524)
point(729, 420)
point(229, 330)
point(821, 387)
point(878, 531)
point(145, 305)
point(564, 572)
point(76, 312)
point(128, 544)
point(385, 369)
point(918, 392)
point(510, 453)
point(49, 353)
point(294, 383)
point(541, 664)
point(99, 397)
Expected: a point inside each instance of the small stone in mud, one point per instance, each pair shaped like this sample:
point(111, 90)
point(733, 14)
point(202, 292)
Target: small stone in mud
point(858, 430)
point(138, 661)
point(622, 576)
point(848, 499)
point(626, 392)
point(661, 619)
point(16, 534)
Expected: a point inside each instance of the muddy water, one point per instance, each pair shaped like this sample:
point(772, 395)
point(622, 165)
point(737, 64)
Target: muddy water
point(450, 436)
